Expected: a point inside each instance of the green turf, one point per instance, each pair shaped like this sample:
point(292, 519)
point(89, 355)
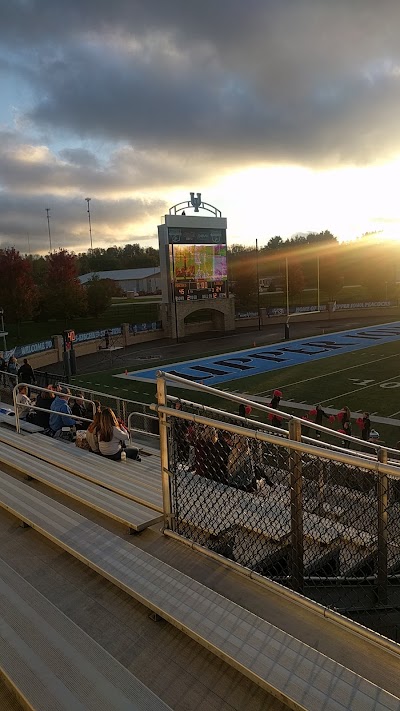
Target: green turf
point(330, 381)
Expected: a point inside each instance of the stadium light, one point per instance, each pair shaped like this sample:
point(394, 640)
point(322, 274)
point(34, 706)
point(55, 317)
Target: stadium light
point(90, 223)
point(48, 226)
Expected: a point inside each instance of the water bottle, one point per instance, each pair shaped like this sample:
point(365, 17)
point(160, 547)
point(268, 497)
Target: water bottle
point(123, 456)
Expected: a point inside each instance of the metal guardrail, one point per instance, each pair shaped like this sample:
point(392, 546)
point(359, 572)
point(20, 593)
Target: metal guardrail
point(322, 522)
point(265, 408)
point(127, 410)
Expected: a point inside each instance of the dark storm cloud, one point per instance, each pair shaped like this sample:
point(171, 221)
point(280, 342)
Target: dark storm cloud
point(313, 82)
point(123, 97)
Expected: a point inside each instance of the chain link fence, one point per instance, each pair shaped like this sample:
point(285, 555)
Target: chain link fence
point(311, 521)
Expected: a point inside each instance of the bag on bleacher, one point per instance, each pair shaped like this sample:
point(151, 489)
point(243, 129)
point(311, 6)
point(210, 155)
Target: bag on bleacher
point(81, 440)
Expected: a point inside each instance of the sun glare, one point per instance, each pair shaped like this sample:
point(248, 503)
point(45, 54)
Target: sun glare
point(279, 201)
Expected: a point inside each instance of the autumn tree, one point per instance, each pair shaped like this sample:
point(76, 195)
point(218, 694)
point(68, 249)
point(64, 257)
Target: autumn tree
point(99, 293)
point(63, 296)
point(18, 292)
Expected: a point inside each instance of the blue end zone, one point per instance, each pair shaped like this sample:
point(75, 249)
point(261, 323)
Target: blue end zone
point(254, 361)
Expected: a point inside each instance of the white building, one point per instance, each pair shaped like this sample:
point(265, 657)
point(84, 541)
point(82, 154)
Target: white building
point(147, 279)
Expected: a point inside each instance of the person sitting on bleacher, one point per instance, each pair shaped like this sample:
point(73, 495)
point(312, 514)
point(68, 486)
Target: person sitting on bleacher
point(112, 435)
point(59, 417)
point(25, 412)
point(92, 433)
point(44, 400)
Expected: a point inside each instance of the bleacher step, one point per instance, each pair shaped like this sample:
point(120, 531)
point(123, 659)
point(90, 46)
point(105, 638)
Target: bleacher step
point(52, 665)
point(121, 509)
point(297, 674)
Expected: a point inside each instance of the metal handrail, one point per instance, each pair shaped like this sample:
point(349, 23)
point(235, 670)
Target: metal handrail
point(265, 408)
point(141, 414)
point(18, 405)
point(341, 457)
point(108, 395)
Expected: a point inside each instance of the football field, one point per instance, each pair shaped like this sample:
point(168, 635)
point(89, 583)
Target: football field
point(364, 379)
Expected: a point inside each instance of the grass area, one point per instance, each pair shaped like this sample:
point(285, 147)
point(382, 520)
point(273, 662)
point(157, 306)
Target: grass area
point(32, 331)
point(309, 297)
point(363, 380)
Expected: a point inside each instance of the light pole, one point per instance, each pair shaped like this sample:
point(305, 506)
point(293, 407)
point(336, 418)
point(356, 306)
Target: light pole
point(318, 304)
point(48, 225)
point(258, 288)
point(287, 331)
point(90, 223)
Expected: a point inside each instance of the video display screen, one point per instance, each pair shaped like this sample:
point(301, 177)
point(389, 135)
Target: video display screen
point(199, 271)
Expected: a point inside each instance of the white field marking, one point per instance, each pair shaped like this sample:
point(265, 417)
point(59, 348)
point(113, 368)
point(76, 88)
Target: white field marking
point(395, 413)
point(360, 390)
point(374, 413)
point(334, 372)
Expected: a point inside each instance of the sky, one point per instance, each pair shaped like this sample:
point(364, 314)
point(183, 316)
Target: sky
point(285, 115)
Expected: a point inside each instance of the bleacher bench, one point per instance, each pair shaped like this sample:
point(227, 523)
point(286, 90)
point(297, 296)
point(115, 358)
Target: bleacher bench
point(298, 675)
point(52, 665)
point(139, 481)
point(136, 516)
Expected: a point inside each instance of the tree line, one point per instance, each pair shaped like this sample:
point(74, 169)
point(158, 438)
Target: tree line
point(45, 287)
point(297, 263)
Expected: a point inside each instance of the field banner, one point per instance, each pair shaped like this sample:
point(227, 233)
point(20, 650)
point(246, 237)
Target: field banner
point(225, 367)
point(31, 348)
point(92, 335)
point(143, 327)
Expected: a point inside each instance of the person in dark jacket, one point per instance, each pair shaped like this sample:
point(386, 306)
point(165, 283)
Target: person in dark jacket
point(345, 417)
point(78, 408)
point(25, 373)
point(366, 427)
point(277, 395)
point(44, 400)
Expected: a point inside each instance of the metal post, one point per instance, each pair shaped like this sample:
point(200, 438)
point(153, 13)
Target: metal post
point(166, 486)
point(287, 286)
point(382, 493)
point(90, 223)
point(318, 304)
point(48, 225)
point(2, 330)
point(296, 510)
point(16, 409)
point(258, 288)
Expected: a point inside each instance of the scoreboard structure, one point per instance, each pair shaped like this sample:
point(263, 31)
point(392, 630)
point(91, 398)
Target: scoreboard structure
point(193, 258)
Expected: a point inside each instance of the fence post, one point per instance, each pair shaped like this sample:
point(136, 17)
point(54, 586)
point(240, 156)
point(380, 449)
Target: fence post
point(296, 510)
point(166, 486)
point(382, 493)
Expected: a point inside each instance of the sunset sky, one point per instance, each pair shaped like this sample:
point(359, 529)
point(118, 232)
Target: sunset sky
point(285, 115)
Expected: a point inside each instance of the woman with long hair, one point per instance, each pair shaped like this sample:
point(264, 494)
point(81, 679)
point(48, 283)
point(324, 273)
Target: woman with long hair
point(92, 433)
point(112, 436)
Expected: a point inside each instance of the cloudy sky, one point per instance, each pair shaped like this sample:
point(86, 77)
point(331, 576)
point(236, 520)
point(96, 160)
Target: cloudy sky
point(283, 114)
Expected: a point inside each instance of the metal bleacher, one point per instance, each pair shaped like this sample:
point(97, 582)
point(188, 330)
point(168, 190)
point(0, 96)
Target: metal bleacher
point(299, 675)
point(52, 664)
point(138, 481)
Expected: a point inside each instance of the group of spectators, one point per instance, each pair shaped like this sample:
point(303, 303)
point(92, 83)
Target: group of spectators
point(104, 433)
point(11, 371)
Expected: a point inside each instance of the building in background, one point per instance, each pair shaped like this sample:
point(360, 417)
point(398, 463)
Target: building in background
point(135, 281)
